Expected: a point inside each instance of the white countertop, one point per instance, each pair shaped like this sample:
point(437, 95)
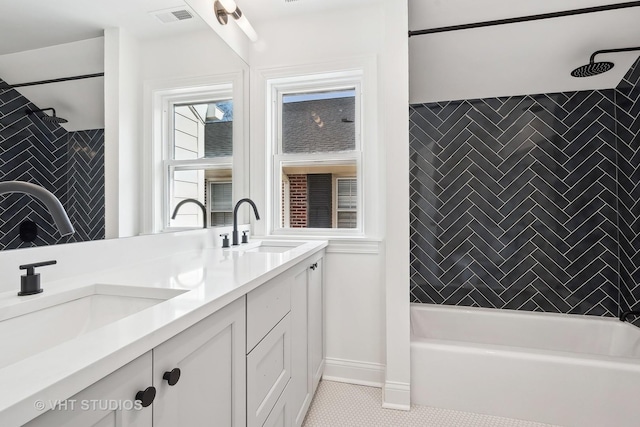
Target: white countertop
point(214, 277)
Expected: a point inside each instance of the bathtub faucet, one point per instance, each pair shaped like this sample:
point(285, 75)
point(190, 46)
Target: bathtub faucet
point(625, 314)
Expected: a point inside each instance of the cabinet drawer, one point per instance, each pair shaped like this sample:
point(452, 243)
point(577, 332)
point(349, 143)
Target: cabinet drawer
point(266, 306)
point(280, 416)
point(268, 372)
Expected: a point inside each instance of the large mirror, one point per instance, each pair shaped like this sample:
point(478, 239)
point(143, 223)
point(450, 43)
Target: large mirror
point(76, 115)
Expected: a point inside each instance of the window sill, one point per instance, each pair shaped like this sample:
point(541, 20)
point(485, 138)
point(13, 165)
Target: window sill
point(337, 244)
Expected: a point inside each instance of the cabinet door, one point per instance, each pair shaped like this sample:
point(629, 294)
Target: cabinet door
point(107, 403)
point(316, 323)
point(212, 384)
point(280, 414)
point(268, 372)
point(300, 386)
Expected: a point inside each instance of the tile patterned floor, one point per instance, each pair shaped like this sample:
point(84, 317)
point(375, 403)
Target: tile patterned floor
point(347, 405)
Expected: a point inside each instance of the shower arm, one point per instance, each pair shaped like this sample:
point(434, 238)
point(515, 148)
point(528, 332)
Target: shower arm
point(597, 52)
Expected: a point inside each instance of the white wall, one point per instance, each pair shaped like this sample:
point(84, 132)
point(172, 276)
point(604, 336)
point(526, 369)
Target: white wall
point(79, 101)
point(122, 134)
point(515, 59)
point(357, 289)
point(130, 64)
point(195, 54)
point(395, 128)
point(193, 60)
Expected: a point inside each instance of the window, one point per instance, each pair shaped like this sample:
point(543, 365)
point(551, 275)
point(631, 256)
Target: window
point(196, 137)
point(317, 154)
point(198, 157)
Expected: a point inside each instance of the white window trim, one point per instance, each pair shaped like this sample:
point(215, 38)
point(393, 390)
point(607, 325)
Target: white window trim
point(158, 95)
point(330, 81)
point(372, 168)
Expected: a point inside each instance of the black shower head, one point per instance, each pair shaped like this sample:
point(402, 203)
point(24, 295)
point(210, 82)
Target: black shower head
point(47, 118)
point(592, 69)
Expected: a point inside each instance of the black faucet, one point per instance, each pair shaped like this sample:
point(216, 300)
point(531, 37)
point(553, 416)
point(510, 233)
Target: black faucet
point(234, 235)
point(30, 282)
point(625, 314)
point(204, 210)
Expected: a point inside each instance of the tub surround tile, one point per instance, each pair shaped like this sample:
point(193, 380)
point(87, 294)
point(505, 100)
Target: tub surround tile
point(628, 130)
point(46, 154)
point(516, 201)
point(86, 199)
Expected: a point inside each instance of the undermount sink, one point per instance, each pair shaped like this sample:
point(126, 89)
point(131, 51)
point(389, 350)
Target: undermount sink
point(270, 246)
point(46, 320)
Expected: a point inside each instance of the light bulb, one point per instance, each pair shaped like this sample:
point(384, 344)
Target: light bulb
point(229, 5)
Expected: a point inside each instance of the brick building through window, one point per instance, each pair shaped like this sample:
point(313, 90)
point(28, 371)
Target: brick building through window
point(312, 124)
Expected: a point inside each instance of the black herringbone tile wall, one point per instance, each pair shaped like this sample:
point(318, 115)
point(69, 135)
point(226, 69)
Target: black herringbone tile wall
point(513, 203)
point(37, 151)
point(628, 131)
point(86, 184)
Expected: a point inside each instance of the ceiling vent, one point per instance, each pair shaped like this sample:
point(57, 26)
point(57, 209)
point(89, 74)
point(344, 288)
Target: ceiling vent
point(174, 14)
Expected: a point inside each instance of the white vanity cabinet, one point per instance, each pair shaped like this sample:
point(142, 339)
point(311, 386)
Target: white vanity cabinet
point(107, 403)
point(210, 358)
point(255, 362)
point(308, 337)
point(210, 390)
point(286, 357)
point(316, 321)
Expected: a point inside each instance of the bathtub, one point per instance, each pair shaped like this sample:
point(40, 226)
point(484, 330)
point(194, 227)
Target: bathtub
point(560, 369)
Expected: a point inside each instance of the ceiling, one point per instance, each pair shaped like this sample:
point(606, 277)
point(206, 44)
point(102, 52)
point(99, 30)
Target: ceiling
point(33, 24)
point(41, 40)
point(31, 30)
point(523, 58)
point(258, 11)
point(514, 59)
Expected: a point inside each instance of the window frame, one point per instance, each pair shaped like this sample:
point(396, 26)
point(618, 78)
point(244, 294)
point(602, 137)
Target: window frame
point(158, 161)
point(320, 82)
point(170, 165)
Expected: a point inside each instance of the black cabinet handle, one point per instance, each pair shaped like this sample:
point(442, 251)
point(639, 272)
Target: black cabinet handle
point(314, 266)
point(172, 376)
point(146, 396)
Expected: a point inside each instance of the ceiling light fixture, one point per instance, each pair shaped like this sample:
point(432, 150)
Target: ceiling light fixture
point(226, 8)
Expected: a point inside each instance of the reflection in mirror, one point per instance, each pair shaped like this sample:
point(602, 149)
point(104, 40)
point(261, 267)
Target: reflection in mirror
point(94, 162)
point(201, 138)
point(202, 130)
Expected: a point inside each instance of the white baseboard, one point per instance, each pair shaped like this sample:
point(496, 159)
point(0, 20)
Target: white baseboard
point(354, 372)
point(396, 396)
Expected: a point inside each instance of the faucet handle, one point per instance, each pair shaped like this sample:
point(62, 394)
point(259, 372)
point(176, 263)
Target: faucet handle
point(30, 267)
point(225, 240)
point(245, 238)
point(30, 282)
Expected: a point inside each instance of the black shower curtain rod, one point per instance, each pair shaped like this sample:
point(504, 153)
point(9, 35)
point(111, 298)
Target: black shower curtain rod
point(42, 82)
point(526, 18)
